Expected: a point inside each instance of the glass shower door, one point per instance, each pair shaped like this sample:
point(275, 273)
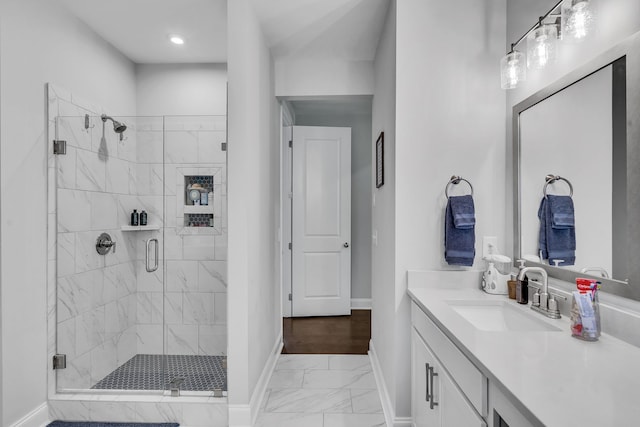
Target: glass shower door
point(141, 306)
point(109, 271)
point(196, 242)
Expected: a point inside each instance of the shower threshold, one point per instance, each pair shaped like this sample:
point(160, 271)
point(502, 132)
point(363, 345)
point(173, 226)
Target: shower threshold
point(156, 371)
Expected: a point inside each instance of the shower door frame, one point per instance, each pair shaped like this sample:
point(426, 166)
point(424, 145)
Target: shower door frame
point(56, 94)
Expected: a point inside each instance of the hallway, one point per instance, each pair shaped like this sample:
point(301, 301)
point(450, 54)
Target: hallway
point(328, 335)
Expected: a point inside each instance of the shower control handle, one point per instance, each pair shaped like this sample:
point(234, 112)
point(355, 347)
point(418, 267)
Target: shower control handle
point(151, 269)
point(104, 244)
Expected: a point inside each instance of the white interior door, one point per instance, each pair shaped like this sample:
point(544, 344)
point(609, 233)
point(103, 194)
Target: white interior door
point(321, 226)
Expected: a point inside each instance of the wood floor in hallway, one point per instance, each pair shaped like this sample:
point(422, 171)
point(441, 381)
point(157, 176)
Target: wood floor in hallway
point(328, 335)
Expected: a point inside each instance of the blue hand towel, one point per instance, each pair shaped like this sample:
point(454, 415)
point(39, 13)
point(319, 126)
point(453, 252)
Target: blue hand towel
point(459, 242)
point(557, 242)
point(463, 210)
point(542, 234)
point(562, 212)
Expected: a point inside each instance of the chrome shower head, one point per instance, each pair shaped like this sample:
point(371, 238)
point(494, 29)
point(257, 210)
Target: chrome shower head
point(117, 126)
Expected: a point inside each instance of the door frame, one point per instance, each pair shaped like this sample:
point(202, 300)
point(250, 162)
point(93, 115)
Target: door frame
point(286, 161)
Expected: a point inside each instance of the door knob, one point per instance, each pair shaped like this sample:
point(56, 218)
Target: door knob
point(346, 245)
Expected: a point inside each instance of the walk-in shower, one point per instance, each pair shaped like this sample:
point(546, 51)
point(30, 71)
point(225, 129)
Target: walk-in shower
point(120, 325)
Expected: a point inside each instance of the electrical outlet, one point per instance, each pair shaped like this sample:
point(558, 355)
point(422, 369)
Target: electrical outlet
point(489, 245)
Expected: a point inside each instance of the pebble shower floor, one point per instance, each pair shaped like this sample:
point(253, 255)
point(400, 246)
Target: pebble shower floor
point(155, 371)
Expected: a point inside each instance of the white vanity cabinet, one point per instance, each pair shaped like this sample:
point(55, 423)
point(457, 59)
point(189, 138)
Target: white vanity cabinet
point(423, 410)
point(446, 389)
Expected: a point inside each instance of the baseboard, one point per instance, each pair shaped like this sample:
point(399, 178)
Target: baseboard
point(261, 387)
point(239, 416)
point(387, 406)
point(402, 422)
point(360, 303)
point(39, 417)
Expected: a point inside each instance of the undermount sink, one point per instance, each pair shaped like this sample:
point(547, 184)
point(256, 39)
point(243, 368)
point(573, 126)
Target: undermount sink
point(499, 316)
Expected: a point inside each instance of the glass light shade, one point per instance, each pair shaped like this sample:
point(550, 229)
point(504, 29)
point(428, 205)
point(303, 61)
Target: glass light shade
point(513, 69)
point(578, 19)
point(541, 46)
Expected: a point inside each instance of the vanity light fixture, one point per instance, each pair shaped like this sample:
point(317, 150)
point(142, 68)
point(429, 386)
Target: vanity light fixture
point(568, 19)
point(541, 45)
point(176, 39)
point(578, 18)
point(513, 69)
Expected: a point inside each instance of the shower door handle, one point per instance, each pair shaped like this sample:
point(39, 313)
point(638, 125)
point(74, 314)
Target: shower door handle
point(153, 268)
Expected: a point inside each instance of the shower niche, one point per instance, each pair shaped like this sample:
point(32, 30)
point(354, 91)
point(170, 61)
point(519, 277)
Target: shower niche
point(199, 210)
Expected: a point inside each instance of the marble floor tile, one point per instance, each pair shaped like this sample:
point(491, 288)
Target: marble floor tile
point(350, 361)
point(289, 419)
point(322, 391)
point(339, 379)
point(286, 379)
point(309, 400)
point(302, 361)
point(366, 401)
point(354, 420)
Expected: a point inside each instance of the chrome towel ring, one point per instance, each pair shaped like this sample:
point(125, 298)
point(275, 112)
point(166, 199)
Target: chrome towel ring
point(550, 179)
point(455, 180)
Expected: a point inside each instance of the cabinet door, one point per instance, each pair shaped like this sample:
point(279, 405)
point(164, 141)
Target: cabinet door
point(455, 410)
point(421, 360)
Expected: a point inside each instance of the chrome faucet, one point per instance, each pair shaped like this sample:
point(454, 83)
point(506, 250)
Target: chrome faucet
point(542, 302)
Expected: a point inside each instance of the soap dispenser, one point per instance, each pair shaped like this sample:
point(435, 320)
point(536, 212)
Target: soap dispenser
point(522, 286)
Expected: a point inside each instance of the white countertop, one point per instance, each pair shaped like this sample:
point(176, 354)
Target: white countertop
point(563, 381)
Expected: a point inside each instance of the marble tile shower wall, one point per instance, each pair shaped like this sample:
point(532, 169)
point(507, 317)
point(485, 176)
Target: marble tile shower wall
point(196, 286)
point(96, 294)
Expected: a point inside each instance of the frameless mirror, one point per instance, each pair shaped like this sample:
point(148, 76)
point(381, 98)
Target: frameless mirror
point(582, 129)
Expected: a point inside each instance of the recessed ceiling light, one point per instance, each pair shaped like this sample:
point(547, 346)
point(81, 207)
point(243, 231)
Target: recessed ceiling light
point(175, 39)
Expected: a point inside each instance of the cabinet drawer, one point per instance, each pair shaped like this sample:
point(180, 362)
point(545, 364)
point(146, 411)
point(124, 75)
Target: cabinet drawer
point(468, 378)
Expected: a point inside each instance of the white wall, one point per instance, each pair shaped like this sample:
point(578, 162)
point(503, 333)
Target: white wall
point(449, 120)
point(39, 43)
point(383, 213)
point(253, 187)
point(616, 20)
point(361, 144)
point(320, 77)
point(181, 89)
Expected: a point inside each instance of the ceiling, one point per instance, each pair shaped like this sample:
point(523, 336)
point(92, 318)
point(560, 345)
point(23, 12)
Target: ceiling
point(331, 106)
point(338, 29)
point(140, 29)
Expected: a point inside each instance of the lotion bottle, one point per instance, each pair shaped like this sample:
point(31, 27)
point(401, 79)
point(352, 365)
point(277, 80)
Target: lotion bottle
point(135, 217)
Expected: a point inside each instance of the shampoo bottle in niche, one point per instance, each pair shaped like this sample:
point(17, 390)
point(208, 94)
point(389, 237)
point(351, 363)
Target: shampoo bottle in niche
point(135, 217)
point(143, 218)
point(522, 286)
